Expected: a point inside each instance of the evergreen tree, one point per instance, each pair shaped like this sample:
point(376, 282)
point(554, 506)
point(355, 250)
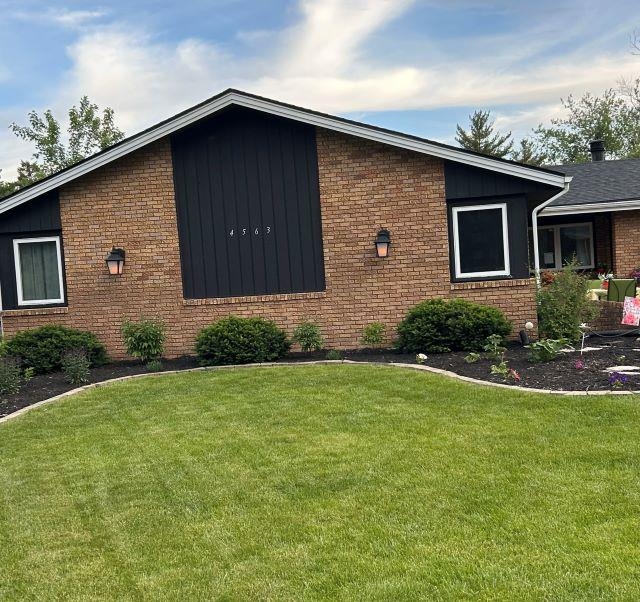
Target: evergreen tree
point(482, 138)
point(529, 152)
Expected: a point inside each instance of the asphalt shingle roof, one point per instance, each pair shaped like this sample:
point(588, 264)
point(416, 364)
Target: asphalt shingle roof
point(601, 181)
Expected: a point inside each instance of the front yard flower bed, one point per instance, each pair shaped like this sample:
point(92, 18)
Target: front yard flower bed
point(567, 372)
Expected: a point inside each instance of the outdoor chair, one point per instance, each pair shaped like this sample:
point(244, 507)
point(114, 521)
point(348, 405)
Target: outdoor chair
point(619, 289)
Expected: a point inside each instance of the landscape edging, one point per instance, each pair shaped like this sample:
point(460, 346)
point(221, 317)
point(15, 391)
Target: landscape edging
point(422, 367)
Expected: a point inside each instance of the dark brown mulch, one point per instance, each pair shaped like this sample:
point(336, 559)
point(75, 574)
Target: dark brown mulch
point(559, 374)
point(43, 386)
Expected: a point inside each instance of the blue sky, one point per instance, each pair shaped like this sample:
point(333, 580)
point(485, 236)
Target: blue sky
point(419, 66)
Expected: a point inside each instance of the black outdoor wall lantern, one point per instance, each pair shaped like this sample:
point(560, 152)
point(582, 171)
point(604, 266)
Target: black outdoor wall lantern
point(115, 261)
point(382, 242)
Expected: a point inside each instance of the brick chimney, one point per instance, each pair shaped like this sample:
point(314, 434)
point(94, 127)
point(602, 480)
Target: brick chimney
point(596, 148)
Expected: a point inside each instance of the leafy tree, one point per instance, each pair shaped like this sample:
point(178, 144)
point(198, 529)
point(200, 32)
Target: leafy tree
point(88, 132)
point(6, 188)
point(613, 117)
point(529, 152)
point(482, 137)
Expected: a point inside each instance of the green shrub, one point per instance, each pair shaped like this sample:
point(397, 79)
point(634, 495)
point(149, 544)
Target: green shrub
point(563, 305)
point(236, 340)
point(144, 339)
point(546, 349)
point(334, 354)
point(75, 365)
point(307, 335)
point(438, 326)
point(373, 334)
point(43, 348)
point(10, 375)
point(3, 348)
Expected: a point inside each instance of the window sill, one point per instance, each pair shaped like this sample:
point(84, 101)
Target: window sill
point(34, 311)
point(463, 286)
point(256, 298)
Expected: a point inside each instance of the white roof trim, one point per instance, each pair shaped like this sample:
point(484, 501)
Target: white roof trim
point(262, 104)
point(601, 207)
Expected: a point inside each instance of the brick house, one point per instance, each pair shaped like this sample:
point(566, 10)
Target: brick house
point(243, 205)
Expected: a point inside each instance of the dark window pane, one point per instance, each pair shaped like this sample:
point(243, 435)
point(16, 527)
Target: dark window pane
point(546, 242)
point(39, 271)
point(575, 242)
point(480, 241)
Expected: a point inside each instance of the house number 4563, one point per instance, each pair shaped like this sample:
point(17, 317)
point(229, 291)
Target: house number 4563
point(245, 231)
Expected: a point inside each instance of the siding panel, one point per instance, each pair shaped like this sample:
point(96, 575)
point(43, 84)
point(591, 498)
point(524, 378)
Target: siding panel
point(40, 217)
point(248, 206)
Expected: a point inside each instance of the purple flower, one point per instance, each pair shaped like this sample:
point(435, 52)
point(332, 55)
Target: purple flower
point(618, 380)
point(579, 364)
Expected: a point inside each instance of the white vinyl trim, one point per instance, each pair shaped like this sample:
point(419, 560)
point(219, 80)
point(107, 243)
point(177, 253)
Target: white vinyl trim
point(592, 208)
point(505, 241)
point(302, 115)
point(16, 256)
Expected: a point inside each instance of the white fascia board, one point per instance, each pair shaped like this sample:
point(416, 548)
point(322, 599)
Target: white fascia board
point(603, 207)
point(264, 105)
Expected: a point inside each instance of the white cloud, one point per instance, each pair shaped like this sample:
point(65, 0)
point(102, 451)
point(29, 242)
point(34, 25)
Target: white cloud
point(325, 61)
point(74, 18)
point(60, 16)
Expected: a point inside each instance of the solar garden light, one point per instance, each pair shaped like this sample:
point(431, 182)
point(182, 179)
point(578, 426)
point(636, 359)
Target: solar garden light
point(115, 261)
point(383, 242)
point(525, 339)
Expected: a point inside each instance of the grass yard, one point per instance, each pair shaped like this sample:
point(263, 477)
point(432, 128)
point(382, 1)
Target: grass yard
point(320, 482)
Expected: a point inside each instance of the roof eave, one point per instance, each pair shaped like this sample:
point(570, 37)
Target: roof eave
point(600, 207)
point(233, 97)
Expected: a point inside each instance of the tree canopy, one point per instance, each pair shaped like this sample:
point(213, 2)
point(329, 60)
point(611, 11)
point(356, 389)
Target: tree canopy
point(88, 132)
point(613, 118)
point(482, 136)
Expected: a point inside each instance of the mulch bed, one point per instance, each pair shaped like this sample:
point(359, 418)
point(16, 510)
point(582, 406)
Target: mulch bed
point(559, 374)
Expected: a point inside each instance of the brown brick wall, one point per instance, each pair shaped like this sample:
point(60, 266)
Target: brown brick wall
point(609, 317)
point(626, 239)
point(363, 186)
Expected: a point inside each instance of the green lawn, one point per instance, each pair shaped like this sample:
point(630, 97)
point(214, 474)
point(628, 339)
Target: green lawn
point(320, 482)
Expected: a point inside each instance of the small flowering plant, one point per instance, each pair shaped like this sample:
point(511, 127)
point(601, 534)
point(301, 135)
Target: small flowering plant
point(513, 375)
point(579, 365)
point(635, 273)
point(617, 380)
point(421, 358)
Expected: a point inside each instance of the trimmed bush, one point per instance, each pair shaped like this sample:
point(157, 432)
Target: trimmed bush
point(439, 325)
point(236, 340)
point(144, 339)
point(43, 348)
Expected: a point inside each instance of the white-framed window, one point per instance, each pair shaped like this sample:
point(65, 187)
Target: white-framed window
point(38, 263)
point(561, 243)
point(480, 241)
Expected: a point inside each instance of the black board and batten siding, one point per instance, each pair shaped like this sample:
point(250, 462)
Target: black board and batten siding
point(248, 206)
point(40, 217)
point(467, 185)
